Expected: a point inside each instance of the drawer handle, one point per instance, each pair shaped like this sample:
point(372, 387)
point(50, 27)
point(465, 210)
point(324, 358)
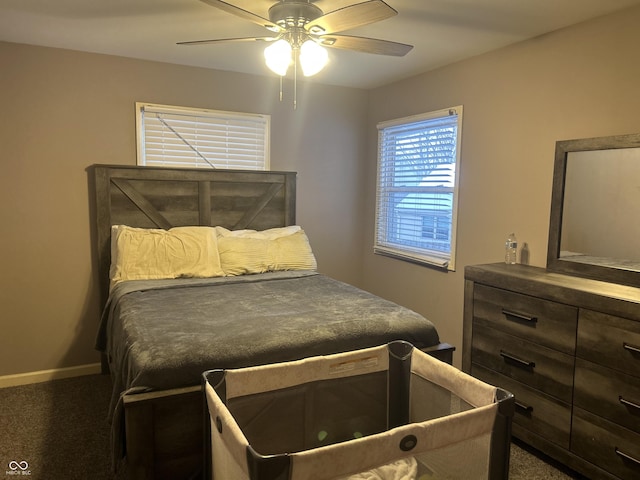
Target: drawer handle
point(527, 409)
point(519, 361)
point(631, 348)
point(626, 456)
point(519, 316)
point(628, 403)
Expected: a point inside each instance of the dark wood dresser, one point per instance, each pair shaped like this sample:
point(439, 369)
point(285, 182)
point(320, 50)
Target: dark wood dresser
point(568, 348)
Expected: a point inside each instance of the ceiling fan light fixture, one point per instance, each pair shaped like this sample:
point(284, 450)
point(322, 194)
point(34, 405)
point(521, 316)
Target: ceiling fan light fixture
point(313, 58)
point(303, 29)
point(278, 57)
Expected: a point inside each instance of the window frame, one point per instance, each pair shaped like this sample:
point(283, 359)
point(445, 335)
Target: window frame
point(383, 245)
point(143, 108)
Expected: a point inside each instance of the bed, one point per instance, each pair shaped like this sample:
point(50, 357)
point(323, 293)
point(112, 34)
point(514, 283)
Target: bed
point(157, 335)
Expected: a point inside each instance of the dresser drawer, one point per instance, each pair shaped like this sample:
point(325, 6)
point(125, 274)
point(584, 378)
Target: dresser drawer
point(538, 367)
point(606, 444)
point(609, 340)
point(608, 393)
point(535, 411)
point(548, 323)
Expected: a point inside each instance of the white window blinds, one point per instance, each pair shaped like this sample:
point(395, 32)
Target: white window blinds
point(197, 138)
point(417, 187)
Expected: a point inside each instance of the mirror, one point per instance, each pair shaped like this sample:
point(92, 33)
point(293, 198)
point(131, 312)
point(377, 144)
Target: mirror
point(595, 209)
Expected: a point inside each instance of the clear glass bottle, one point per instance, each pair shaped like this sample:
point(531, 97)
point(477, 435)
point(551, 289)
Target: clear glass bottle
point(511, 250)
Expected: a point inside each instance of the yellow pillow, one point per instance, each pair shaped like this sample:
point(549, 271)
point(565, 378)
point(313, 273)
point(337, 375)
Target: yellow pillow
point(148, 254)
point(241, 255)
point(292, 252)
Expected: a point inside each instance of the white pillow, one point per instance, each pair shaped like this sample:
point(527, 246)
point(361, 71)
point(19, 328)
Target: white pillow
point(270, 234)
point(241, 255)
point(149, 254)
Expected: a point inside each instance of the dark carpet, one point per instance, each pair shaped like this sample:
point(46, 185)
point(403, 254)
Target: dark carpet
point(59, 430)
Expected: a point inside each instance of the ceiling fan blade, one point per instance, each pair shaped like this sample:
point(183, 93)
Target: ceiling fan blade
point(351, 16)
point(245, 14)
point(366, 45)
point(223, 40)
point(331, 5)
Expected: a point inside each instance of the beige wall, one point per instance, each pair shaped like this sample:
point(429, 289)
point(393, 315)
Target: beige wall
point(63, 111)
point(518, 101)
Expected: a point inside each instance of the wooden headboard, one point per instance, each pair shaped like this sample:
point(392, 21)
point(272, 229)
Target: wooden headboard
point(150, 197)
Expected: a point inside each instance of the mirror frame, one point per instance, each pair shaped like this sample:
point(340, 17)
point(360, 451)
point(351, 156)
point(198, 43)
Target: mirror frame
point(554, 263)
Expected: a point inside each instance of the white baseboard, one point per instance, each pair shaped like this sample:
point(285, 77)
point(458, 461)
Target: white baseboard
point(47, 375)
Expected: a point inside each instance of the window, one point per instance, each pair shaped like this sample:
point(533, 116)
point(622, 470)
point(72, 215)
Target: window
point(197, 138)
point(418, 166)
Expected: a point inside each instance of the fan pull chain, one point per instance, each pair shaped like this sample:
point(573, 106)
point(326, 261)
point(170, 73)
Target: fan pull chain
point(295, 81)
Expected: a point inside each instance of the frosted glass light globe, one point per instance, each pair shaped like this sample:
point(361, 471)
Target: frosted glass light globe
point(313, 58)
point(278, 57)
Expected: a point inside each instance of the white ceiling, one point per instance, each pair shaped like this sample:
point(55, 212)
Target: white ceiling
point(442, 31)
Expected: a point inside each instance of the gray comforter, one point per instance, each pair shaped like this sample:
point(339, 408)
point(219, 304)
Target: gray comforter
point(163, 334)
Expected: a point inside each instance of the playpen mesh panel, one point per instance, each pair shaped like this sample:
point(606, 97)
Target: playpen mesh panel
point(429, 401)
point(314, 414)
point(466, 460)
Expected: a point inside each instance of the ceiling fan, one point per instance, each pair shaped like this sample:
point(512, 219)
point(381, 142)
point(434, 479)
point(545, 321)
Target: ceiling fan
point(300, 30)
